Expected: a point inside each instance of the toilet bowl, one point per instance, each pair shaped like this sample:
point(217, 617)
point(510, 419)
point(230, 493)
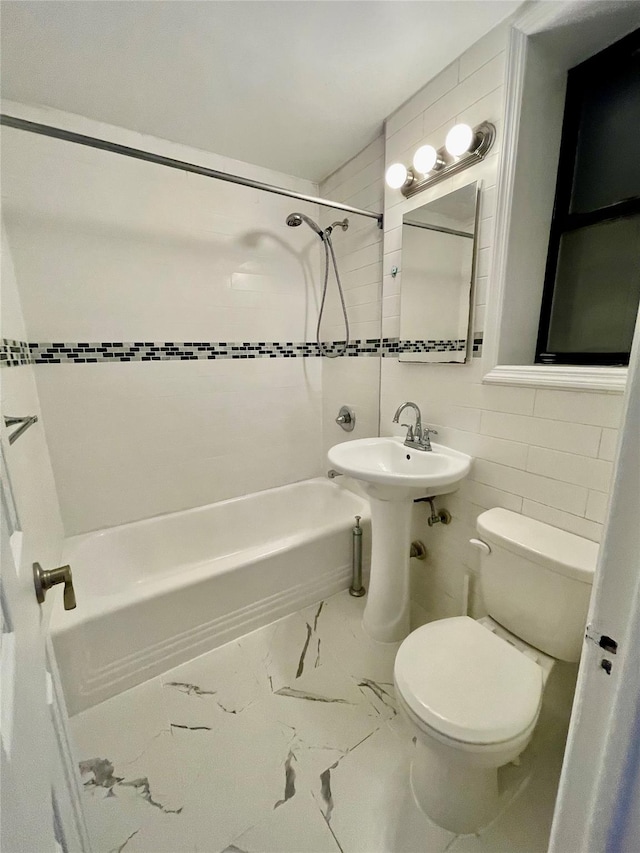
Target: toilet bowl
point(471, 690)
point(472, 699)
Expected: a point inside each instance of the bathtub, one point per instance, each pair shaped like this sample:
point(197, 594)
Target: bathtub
point(153, 594)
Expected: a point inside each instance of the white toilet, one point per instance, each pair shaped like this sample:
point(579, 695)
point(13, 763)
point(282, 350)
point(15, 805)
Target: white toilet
point(472, 690)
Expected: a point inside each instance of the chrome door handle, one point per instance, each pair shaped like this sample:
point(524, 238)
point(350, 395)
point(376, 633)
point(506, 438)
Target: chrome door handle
point(43, 580)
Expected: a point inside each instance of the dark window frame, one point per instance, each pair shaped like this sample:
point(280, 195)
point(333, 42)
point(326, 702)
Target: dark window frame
point(563, 220)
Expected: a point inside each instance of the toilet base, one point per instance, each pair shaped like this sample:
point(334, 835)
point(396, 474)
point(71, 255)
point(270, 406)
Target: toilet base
point(454, 795)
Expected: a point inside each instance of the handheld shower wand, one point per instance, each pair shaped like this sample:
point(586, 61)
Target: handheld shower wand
point(295, 219)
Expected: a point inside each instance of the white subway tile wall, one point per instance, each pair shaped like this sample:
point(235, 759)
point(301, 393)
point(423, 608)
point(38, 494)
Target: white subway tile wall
point(354, 381)
point(138, 439)
point(115, 250)
point(547, 454)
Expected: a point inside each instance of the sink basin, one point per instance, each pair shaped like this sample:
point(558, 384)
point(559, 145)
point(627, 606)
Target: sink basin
point(391, 471)
point(393, 476)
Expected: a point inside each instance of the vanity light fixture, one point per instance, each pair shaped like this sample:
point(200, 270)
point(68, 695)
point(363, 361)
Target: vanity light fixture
point(464, 146)
point(426, 159)
point(396, 175)
point(459, 140)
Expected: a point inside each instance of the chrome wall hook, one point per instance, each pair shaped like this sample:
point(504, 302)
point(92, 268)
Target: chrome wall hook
point(23, 425)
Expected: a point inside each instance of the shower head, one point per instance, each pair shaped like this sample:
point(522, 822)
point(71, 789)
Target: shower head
point(295, 219)
point(341, 223)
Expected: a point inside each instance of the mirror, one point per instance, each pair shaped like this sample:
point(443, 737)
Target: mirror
point(438, 251)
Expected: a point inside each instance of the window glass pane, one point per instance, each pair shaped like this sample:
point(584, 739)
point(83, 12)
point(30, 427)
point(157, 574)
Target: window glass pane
point(597, 288)
point(607, 161)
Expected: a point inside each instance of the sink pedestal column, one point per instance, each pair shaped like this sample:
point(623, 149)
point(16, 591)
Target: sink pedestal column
point(386, 615)
point(394, 474)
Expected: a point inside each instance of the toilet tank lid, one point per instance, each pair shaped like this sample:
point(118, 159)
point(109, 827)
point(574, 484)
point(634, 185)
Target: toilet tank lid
point(555, 549)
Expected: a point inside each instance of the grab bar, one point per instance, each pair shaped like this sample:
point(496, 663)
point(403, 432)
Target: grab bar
point(25, 423)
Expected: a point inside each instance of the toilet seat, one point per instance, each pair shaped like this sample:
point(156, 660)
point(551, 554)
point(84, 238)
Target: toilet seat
point(468, 684)
point(474, 754)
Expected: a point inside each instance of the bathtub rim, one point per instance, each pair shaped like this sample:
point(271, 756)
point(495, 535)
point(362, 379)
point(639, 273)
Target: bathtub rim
point(96, 606)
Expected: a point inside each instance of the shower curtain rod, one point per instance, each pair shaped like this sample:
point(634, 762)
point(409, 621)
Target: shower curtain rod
point(138, 154)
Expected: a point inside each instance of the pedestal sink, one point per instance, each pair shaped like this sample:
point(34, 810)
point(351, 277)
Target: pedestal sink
point(393, 476)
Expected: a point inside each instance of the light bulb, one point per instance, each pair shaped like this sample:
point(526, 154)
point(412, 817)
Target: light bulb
point(396, 175)
point(425, 159)
point(459, 139)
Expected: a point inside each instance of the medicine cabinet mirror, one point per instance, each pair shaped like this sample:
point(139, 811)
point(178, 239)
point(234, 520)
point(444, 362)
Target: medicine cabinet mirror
point(438, 252)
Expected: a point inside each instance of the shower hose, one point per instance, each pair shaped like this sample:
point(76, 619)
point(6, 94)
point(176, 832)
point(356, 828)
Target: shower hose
point(324, 350)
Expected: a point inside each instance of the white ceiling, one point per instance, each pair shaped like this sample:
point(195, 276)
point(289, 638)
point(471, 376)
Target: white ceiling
point(295, 86)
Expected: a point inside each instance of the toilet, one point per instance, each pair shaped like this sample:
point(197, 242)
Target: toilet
point(471, 690)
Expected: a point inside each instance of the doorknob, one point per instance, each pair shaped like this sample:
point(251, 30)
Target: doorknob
point(44, 580)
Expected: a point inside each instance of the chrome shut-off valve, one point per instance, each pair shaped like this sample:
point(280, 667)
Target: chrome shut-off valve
point(346, 418)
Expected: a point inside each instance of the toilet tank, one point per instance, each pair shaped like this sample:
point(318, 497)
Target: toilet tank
point(536, 581)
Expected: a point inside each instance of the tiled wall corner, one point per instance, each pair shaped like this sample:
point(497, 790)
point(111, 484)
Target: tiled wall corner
point(354, 382)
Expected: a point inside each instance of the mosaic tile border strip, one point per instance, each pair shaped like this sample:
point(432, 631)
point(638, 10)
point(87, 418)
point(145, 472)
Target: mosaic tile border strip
point(15, 353)
point(395, 346)
point(402, 346)
point(123, 351)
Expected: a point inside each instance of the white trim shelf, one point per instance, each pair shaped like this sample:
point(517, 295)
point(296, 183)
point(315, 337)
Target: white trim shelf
point(563, 377)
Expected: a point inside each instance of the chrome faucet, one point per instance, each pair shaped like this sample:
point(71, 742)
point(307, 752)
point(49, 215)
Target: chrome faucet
point(417, 437)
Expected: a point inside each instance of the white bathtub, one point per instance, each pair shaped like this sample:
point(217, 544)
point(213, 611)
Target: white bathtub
point(156, 593)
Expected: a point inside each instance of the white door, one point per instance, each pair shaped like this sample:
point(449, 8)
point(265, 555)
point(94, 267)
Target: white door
point(36, 788)
point(598, 807)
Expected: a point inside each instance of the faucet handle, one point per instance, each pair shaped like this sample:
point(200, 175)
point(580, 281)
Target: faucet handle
point(409, 431)
point(425, 439)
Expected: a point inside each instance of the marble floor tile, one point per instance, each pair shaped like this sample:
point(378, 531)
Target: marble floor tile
point(121, 727)
point(112, 825)
point(203, 790)
point(297, 825)
point(221, 682)
point(326, 714)
point(367, 802)
point(325, 709)
point(125, 798)
point(242, 773)
point(336, 628)
point(287, 740)
point(281, 653)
